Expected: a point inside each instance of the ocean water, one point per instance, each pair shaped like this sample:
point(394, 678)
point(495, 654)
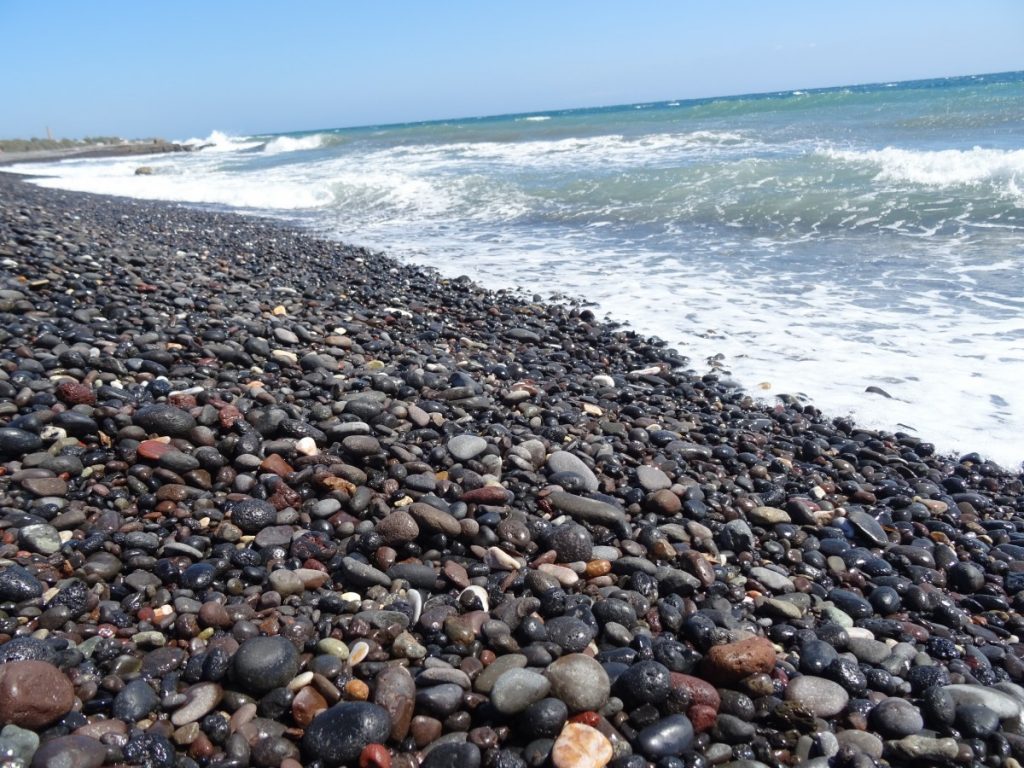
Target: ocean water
point(828, 244)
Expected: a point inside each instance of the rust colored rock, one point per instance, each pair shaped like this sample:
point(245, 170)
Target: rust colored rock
point(306, 705)
point(375, 756)
point(598, 568)
point(734, 661)
point(581, 746)
point(488, 494)
point(357, 690)
point(701, 692)
point(228, 415)
point(74, 393)
point(153, 449)
point(274, 463)
point(33, 694)
point(702, 717)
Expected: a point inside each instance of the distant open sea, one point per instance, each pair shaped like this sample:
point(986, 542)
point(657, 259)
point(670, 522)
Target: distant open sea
point(815, 243)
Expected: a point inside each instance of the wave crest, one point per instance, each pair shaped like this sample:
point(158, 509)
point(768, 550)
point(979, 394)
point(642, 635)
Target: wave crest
point(938, 168)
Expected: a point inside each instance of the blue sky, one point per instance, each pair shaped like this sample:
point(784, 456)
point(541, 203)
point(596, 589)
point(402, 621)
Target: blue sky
point(182, 69)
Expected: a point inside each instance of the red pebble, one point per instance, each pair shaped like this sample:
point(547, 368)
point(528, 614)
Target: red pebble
point(489, 494)
point(153, 449)
point(375, 756)
point(702, 717)
point(73, 393)
point(586, 718)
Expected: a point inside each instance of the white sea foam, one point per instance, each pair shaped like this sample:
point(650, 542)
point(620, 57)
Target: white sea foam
point(294, 144)
point(218, 141)
point(939, 168)
point(536, 118)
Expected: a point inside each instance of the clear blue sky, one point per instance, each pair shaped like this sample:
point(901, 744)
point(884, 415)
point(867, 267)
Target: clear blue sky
point(184, 68)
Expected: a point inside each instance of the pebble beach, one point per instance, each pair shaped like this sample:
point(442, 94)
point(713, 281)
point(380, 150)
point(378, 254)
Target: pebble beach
point(270, 500)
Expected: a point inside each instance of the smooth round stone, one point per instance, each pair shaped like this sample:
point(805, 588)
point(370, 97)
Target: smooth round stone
point(965, 578)
point(895, 718)
point(17, 442)
point(671, 735)
point(361, 445)
point(133, 702)
point(976, 721)
point(861, 741)
point(868, 651)
point(440, 700)
point(45, 486)
point(18, 744)
point(867, 527)
point(286, 583)
point(581, 746)
point(544, 719)
point(563, 461)
point(652, 478)
point(264, 663)
point(338, 735)
point(164, 420)
point(572, 635)
point(253, 515)
point(572, 542)
point(517, 689)
point(453, 755)
point(198, 576)
point(70, 752)
point(33, 693)
point(816, 656)
point(850, 603)
point(734, 661)
point(466, 447)
point(1003, 704)
point(580, 681)
point(41, 538)
point(817, 695)
point(484, 682)
point(17, 584)
point(200, 700)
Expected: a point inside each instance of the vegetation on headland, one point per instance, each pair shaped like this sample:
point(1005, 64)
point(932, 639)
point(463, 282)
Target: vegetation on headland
point(33, 144)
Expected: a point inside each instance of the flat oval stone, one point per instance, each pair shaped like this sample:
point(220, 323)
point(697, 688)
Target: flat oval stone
point(517, 689)
point(563, 461)
point(70, 752)
point(338, 735)
point(580, 681)
point(466, 447)
point(819, 696)
point(671, 735)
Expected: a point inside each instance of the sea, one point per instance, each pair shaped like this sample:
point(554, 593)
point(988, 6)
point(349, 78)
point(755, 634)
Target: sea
point(859, 248)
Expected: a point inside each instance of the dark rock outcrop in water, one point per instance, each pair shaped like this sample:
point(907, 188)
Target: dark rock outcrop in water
point(270, 500)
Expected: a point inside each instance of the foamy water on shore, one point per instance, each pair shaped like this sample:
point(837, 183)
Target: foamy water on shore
point(818, 243)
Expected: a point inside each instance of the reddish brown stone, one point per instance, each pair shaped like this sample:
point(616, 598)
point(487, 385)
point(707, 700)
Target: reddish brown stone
point(185, 402)
point(153, 449)
point(489, 494)
point(700, 691)
point(395, 690)
point(306, 705)
point(285, 497)
point(375, 756)
point(702, 717)
point(274, 463)
point(228, 415)
point(73, 393)
point(734, 661)
point(33, 694)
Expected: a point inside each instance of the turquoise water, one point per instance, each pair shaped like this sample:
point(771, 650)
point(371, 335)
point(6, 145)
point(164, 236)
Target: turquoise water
point(815, 243)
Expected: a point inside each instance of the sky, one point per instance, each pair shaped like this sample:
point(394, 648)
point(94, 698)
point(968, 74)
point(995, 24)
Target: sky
point(183, 69)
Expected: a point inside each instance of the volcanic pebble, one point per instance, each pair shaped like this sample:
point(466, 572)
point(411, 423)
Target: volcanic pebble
point(338, 735)
point(351, 512)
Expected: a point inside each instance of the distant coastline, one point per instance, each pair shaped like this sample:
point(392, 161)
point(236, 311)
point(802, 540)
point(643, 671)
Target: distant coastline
point(42, 150)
